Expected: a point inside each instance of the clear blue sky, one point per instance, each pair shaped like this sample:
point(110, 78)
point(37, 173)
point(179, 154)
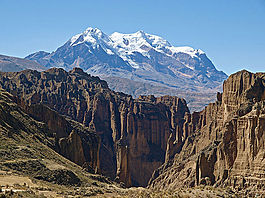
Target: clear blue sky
point(231, 32)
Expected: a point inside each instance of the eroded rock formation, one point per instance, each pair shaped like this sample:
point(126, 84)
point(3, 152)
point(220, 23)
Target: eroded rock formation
point(133, 132)
point(72, 140)
point(226, 143)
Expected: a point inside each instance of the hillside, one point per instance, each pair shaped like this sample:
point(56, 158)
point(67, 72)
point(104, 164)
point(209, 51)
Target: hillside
point(29, 163)
point(13, 64)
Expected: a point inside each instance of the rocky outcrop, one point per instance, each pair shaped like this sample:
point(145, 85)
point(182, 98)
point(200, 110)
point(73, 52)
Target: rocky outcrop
point(72, 140)
point(133, 132)
point(71, 147)
point(226, 140)
point(27, 155)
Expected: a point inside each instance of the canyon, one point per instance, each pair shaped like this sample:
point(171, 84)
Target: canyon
point(133, 132)
point(151, 141)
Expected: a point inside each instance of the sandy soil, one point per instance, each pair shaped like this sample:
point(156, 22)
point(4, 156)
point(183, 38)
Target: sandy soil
point(10, 180)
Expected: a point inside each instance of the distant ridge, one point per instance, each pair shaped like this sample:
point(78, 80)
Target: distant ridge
point(13, 64)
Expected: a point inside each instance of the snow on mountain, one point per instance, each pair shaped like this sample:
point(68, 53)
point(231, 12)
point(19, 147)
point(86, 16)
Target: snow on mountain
point(126, 44)
point(136, 42)
point(138, 56)
point(91, 35)
point(95, 37)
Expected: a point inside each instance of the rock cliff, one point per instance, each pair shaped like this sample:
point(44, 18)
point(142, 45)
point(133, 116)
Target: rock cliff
point(29, 164)
point(225, 144)
point(72, 140)
point(133, 132)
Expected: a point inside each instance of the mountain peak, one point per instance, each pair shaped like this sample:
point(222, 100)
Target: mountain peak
point(91, 30)
point(90, 35)
point(140, 33)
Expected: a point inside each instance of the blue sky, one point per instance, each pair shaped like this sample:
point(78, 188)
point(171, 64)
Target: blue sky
point(231, 32)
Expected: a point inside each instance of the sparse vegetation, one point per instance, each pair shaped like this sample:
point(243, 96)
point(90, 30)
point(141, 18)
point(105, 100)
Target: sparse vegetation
point(29, 167)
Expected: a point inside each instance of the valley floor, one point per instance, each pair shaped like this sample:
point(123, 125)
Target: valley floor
point(14, 185)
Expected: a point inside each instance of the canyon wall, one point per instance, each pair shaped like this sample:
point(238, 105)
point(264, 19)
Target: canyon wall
point(72, 139)
point(226, 143)
point(133, 132)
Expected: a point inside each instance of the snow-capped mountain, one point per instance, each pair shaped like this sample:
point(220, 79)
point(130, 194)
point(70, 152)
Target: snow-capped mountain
point(138, 56)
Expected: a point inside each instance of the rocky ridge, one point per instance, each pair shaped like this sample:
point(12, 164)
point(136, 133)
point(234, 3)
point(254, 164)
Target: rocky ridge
point(196, 101)
point(226, 140)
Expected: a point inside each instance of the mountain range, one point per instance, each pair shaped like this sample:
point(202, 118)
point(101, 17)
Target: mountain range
point(139, 57)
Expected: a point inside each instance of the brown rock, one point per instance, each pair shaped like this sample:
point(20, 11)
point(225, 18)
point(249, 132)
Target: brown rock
point(73, 140)
point(133, 132)
point(71, 148)
point(226, 143)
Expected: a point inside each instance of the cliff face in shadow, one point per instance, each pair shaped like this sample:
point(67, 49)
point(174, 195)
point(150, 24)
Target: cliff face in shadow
point(72, 139)
point(133, 132)
point(226, 143)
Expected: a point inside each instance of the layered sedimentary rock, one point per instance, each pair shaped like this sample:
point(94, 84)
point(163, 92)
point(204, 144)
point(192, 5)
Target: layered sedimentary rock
point(133, 132)
point(226, 143)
